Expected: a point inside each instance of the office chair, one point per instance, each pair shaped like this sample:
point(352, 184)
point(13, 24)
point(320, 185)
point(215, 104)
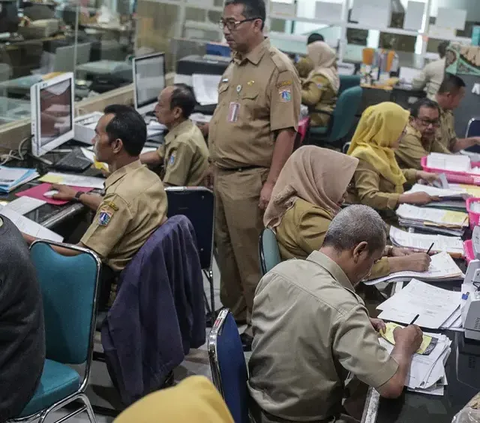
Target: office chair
point(198, 204)
point(348, 81)
point(69, 292)
point(341, 122)
point(268, 251)
point(227, 362)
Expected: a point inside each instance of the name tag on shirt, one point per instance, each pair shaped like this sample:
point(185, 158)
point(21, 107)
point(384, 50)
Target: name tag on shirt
point(233, 112)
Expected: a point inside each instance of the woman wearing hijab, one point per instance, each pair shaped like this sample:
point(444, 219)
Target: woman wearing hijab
point(378, 179)
point(194, 400)
point(320, 89)
point(308, 194)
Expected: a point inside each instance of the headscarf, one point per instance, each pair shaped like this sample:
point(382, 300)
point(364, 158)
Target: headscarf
point(379, 128)
point(317, 175)
point(195, 400)
point(325, 62)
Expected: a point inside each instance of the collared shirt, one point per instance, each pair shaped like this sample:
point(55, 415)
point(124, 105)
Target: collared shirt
point(134, 206)
point(446, 134)
point(310, 329)
point(259, 95)
point(431, 78)
point(412, 148)
point(184, 155)
point(318, 94)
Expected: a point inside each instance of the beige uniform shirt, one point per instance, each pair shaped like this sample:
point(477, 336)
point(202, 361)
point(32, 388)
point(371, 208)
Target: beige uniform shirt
point(412, 148)
point(318, 94)
point(184, 155)
point(259, 95)
point(431, 78)
point(304, 66)
point(311, 329)
point(134, 206)
point(446, 134)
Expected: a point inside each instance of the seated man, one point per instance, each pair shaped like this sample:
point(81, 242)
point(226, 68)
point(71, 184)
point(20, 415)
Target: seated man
point(134, 204)
point(184, 155)
point(449, 97)
point(420, 136)
point(22, 333)
point(311, 329)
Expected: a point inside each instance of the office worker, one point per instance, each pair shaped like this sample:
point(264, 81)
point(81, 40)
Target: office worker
point(184, 154)
point(305, 65)
point(134, 204)
point(421, 135)
point(378, 180)
point(308, 194)
point(311, 329)
point(432, 74)
point(251, 136)
point(449, 97)
point(22, 333)
point(320, 90)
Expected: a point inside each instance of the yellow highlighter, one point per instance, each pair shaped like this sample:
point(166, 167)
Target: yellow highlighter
point(427, 346)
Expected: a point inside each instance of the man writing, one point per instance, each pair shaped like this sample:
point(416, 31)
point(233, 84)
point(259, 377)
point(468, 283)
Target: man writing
point(311, 329)
point(251, 136)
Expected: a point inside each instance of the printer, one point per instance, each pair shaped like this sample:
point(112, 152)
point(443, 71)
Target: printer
point(471, 309)
point(207, 65)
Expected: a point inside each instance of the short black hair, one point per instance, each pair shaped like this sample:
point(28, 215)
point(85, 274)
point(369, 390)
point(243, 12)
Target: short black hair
point(451, 84)
point(423, 102)
point(183, 97)
point(442, 48)
point(315, 37)
point(251, 8)
point(127, 125)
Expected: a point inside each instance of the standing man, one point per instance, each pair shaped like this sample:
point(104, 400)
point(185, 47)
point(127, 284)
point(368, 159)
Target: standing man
point(251, 137)
point(449, 96)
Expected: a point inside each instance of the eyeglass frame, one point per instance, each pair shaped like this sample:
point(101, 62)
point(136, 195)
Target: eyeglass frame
point(429, 122)
point(236, 24)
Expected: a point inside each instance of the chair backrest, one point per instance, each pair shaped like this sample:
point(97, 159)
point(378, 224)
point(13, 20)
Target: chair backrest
point(198, 204)
point(473, 128)
point(227, 362)
point(268, 250)
point(69, 292)
point(348, 81)
point(345, 112)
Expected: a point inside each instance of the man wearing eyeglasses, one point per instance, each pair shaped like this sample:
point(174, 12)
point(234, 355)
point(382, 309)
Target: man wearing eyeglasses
point(420, 138)
point(251, 136)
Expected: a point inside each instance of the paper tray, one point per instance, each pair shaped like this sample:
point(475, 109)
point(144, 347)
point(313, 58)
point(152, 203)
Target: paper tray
point(453, 176)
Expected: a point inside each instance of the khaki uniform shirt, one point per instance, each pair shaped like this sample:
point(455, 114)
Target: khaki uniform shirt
point(446, 134)
point(411, 150)
point(311, 329)
point(134, 206)
point(184, 155)
point(303, 229)
point(304, 66)
point(373, 190)
point(318, 94)
point(431, 77)
point(259, 95)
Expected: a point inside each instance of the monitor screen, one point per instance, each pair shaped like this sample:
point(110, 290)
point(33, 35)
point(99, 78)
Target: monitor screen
point(56, 114)
point(149, 79)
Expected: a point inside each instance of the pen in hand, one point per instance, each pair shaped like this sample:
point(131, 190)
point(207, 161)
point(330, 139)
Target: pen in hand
point(428, 252)
point(415, 318)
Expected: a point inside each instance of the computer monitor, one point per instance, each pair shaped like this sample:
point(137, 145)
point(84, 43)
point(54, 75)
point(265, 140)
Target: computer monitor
point(52, 113)
point(9, 19)
point(148, 80)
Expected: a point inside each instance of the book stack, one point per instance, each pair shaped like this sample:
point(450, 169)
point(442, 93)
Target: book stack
point(12, 177)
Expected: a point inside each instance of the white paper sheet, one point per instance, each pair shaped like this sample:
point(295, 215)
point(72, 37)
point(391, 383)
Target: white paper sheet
point(327, 11)
point(73, 180)
point(414, 16)
point(453, 162)
point(436, 216)
point(461, 194)
point(24, 205)
point(8, 175)
point(206, 88)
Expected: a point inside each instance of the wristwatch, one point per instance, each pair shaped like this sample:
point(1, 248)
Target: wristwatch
point(78, 194)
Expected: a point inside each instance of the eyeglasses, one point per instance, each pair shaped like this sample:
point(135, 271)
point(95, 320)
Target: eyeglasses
point(233, 25)
point(427, 122)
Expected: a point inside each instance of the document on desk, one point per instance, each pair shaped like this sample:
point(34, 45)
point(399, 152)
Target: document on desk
point(459, 194)
point(431, 216)
point(73, 180)
point(206, 88)
point(452, 162)
point(29, 226)
point(24, 205)
point(432, 304)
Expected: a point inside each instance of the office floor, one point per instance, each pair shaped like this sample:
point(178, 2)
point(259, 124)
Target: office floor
point(101, 391)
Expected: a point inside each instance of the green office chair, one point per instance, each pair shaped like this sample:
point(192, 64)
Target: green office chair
point(268, 250)
point(341, 122)
point(348, 81)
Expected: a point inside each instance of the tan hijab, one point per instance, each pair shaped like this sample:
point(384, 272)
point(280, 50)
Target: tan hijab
point(325, 62)
point(317, 175)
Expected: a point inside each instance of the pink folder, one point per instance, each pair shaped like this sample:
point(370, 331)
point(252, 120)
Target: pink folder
point(38, 191)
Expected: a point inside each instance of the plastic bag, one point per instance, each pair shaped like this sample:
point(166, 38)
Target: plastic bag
point(470, 413)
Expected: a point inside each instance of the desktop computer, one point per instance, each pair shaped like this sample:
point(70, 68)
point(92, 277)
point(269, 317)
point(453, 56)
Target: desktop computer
point(149, 80)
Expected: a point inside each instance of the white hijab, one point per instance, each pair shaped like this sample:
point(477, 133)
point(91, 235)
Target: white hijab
point(325, 62)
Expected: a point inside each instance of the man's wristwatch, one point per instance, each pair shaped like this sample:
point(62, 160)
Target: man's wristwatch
point(78, 194)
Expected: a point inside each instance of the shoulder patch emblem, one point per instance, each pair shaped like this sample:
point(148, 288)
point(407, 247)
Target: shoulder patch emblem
point(112, 205)
point(284, 84)
point(104, 218)
point(285, 95)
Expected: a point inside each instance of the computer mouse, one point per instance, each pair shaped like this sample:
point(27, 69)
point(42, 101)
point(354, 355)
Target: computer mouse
point(51, 193)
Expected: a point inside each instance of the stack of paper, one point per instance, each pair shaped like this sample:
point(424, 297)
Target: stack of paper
point(73, 180)
point(445, 222)
point(442, 267)
point(452, 199)
point(12, 177)
point(451, 162)
point(24, 205)
point(205, 88)
point(450, 244)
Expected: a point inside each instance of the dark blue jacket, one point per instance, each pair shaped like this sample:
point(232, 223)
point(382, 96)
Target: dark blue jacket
point(159, 312)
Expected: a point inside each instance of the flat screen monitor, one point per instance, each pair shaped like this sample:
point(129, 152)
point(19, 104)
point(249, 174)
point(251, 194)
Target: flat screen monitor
point(149, 80)
point(52, 113)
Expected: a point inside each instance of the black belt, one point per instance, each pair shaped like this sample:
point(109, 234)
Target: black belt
point(241, 169)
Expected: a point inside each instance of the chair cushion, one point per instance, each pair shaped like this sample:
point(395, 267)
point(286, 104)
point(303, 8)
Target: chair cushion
point(58, 382)
point(318, 130)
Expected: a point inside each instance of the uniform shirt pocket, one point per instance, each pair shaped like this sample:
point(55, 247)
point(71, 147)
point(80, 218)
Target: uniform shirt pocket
point(249, 104)
point(222, 92)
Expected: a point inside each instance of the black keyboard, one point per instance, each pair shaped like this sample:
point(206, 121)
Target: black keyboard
point(75, 161)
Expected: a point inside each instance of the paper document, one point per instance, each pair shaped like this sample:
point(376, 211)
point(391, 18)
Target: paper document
point(73, 180)
point(29, 226)
point(453, 162)
point(442, 266)
point(440, 192)
point(24, 205)
point(434, 305)
point(473, 190)
point(435, 216)
point(407, 75)
point(9, 175)
point(205, 88)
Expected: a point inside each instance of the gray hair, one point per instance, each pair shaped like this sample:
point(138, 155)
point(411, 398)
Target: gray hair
point(356, 224)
